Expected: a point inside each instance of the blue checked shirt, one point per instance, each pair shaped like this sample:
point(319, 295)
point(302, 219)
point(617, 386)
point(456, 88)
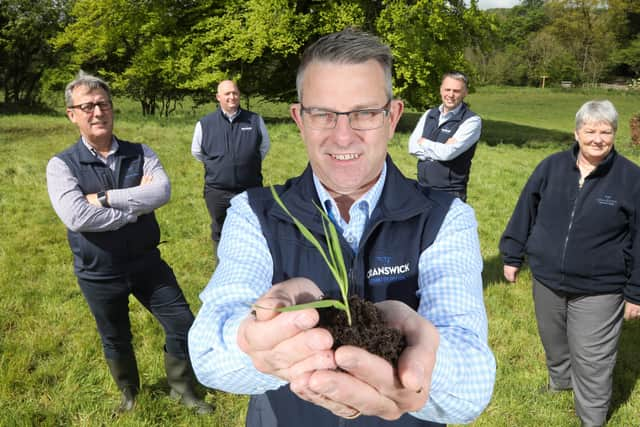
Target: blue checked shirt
point(450, 293)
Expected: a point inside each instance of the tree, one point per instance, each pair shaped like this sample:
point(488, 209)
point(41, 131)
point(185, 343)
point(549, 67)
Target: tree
point(582, 27)
point(625, 20)
point(505, 59)
point(134, 44)
point(257, 43)
point(428, 38)
point(629, 57)
point(25, 26)
point(159, 51)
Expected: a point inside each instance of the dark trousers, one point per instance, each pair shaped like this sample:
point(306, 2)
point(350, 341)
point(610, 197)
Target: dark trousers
point(157, 290)
point(218, 202)
point(580, 335)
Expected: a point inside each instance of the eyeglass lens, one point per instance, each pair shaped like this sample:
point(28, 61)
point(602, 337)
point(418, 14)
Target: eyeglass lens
point(89, 107)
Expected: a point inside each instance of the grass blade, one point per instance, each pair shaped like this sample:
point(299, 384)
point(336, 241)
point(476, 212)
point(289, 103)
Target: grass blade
point(335, 260)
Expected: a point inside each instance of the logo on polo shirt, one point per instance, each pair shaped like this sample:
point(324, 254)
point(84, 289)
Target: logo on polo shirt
point(247, 128)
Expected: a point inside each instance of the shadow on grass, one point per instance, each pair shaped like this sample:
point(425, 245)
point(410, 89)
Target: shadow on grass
point(13, 109)
point(276, 120)
point(492, 272)
point(499, 132)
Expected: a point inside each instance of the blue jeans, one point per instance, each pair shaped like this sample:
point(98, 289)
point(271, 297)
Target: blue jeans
point(157, 290)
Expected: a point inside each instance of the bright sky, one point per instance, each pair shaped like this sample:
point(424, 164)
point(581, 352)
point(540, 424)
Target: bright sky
point(490, 4)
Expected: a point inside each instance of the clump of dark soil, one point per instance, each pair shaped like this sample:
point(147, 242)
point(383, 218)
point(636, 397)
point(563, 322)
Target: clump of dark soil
point(368, 330)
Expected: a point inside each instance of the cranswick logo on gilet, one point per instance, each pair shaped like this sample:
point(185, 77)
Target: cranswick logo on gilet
point(385, 270)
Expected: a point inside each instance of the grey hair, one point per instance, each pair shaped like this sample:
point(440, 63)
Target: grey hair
point(88, 80)
point(456, 75)
point(348, 46)
point(597, 111)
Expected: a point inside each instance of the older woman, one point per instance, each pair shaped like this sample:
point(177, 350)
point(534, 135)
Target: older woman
point(577, 221)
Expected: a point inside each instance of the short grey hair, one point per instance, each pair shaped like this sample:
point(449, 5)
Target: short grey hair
point(88, 80)
point(456, 75)
point(597, 111)
point(348, 46)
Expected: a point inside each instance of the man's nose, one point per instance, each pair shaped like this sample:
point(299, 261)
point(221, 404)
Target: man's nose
point(343, 128)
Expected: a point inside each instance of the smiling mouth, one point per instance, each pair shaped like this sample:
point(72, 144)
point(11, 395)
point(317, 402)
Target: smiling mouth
point(349, 156)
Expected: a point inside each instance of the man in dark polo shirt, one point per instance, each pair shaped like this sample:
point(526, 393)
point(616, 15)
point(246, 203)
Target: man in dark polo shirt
point(231, 143)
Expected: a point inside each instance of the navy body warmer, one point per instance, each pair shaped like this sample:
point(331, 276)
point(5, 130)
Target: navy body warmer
point(231, 151)
point(450, 175)
point(108, 254)
point(404, 223)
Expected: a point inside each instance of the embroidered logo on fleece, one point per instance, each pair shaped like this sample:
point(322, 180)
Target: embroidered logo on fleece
point(607, 200)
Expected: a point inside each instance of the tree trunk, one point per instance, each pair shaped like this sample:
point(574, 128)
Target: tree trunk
point(634, 125)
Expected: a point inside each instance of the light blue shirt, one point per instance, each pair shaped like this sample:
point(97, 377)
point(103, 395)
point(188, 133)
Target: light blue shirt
point(450, 294)
point(467, 134)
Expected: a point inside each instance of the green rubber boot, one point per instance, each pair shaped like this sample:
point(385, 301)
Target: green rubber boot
point(182, 381)
point(125, 373)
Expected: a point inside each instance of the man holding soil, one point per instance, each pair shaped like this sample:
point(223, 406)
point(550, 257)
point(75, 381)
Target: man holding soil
point(427, 239)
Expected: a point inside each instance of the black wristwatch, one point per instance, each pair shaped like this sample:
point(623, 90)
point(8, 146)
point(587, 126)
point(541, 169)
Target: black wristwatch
point(102, 198)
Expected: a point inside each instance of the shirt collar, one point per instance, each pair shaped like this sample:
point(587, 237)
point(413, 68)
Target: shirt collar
point(113, 149)
point(366, 203)
point(450, 113)
point(230, 117)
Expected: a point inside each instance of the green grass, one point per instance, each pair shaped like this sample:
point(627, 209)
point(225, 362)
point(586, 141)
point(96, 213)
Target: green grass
point(52, 371)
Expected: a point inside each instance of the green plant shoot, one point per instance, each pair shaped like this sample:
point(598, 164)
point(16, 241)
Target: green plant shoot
point(334, 260)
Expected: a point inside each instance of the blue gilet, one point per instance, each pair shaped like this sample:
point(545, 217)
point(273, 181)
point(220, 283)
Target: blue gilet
point(403, 224)
point(231, 151)
point(450, 175)
point(109, 254)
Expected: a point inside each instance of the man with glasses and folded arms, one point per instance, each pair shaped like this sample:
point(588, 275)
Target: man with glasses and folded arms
point(401, 242)
point(105, 191)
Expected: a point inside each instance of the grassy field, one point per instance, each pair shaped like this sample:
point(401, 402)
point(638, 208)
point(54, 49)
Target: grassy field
point(52, 371)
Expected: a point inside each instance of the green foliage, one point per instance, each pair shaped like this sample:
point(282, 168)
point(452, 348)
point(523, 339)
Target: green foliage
point(427, 38)
point(629, 56)
point(577, 40)
point(249, 41)
point(133, 44)
point(25, 54)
